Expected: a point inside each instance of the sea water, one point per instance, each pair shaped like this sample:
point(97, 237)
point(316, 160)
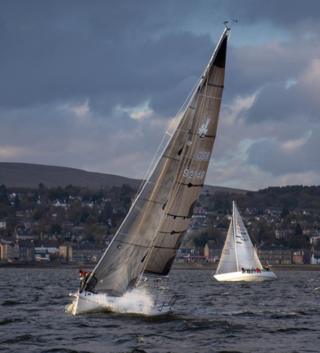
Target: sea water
point(280, 316)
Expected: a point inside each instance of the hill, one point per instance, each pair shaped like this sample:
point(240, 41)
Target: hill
point(25, 175)
point(31, 175)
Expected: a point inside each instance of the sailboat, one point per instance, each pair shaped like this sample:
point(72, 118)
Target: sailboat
point(149, 236)
point(239, 259)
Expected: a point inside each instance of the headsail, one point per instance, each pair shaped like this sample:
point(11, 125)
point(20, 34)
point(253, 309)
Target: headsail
point(197, 131)
point(152, 230)
point(228, 260)
point(238, 251)
point(246, 253)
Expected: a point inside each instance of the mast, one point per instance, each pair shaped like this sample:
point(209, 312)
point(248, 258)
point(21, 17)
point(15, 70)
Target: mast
point(235, 232)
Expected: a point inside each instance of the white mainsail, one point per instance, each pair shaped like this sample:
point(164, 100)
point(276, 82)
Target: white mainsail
point(238, 252)
point(150, 234)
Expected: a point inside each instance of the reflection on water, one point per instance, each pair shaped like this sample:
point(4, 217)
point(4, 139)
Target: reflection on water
point(280, 316)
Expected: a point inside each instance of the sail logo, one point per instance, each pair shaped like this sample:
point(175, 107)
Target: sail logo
point(203, 129)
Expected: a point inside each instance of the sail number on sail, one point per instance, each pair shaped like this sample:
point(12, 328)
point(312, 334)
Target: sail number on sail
point(189, 173)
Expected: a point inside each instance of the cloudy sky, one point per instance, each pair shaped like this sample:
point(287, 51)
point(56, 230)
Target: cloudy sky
point(95, 84)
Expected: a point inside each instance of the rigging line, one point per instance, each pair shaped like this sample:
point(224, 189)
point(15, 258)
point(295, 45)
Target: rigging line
point(152, 163)
point(181, 110)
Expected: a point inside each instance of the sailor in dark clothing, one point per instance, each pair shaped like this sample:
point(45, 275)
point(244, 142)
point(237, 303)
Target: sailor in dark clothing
point(84, 275)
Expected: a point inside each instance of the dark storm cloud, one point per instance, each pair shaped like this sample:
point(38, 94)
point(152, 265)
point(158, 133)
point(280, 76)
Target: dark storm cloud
point(114, 54)
point(74, 73)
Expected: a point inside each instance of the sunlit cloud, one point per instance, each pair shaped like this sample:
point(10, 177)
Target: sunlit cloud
point(139, 112)
point(79, 110)
point(13, 152)
point(292, 145)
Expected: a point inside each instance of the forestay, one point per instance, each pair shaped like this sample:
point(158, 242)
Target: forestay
point(148, 237)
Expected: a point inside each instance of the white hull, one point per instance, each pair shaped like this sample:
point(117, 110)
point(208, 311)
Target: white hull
point(130, 303)
point(245, 277)
point(84, 303)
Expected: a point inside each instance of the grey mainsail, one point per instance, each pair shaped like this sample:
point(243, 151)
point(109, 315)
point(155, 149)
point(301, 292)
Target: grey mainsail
point(150, 234)
point(198, 131)
point(238, 251)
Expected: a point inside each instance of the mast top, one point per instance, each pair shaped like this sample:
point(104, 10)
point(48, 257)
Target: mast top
point(228, 23)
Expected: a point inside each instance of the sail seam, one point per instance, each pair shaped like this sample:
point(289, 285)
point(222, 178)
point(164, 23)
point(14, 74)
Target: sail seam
point(152, 201)
point(209, 97)
point(215, 85)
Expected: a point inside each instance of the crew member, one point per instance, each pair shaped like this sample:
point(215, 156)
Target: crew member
point(84, 275)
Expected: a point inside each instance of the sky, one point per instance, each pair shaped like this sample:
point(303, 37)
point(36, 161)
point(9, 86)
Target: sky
point(95, 84)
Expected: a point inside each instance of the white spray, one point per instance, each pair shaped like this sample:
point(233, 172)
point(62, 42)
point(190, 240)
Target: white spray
point(136, 301)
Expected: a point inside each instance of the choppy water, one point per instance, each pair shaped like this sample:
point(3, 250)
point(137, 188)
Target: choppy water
point(281, 316)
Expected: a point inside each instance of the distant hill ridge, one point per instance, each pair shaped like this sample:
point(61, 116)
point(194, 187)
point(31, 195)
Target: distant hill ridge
point(25, 175)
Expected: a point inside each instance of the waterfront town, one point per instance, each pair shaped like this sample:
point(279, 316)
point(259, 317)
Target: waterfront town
point(74, 225)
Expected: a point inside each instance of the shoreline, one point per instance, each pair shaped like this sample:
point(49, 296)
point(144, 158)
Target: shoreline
point(176, 266)
point(213, 267)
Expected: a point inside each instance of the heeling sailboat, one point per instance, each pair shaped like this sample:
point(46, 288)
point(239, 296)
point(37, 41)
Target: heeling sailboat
point(151, 233)
point(239, 259)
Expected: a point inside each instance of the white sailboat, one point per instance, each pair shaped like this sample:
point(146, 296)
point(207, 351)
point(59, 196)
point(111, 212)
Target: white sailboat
point(239, 259)
point(148, 238)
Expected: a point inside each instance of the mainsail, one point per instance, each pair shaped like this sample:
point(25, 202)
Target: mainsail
point(150, 234)
point(238, 251)
point(198, 132)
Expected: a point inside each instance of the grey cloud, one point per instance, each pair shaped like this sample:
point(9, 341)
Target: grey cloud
point(111, 53)
point(285, 13)
point(270, 156)
point(276, 102)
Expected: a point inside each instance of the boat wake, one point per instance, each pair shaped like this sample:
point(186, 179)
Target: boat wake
point(137, 301)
